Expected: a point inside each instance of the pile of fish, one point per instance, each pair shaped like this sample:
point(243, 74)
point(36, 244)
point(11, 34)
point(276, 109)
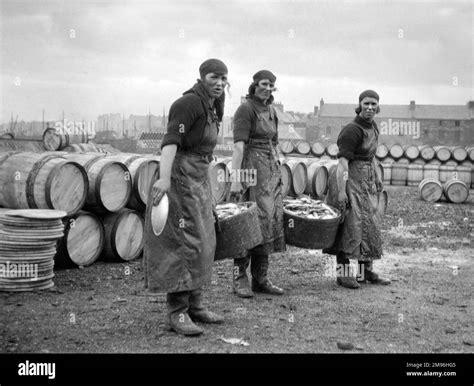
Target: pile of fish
point(308, 208)
point(227, 210)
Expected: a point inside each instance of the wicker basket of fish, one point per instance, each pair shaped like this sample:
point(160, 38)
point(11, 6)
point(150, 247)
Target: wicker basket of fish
point(239, 229)
point(309, 223)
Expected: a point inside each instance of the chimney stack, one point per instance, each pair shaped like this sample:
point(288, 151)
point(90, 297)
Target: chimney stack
point(316, 108)
point(321, 103)
point(412, 105)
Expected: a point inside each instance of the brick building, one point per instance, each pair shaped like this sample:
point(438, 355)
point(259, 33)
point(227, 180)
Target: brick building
point(405, 124)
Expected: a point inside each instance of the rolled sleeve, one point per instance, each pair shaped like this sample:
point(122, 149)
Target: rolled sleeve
point(242, 123)
point(180, 119)
point(348, 141)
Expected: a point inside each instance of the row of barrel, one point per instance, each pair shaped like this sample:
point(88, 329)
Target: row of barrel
point(394, 151)
point(299, 176)
point(103, 195)
point(454, 190)
point(59, 139)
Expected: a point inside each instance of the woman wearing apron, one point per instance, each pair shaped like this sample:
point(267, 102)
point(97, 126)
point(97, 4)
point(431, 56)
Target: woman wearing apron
point(179, 260)
point(255, 151)
point(354, 188)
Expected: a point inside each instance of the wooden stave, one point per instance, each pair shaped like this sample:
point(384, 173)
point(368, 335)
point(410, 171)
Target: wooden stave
point(399, 178)
point(414, 174)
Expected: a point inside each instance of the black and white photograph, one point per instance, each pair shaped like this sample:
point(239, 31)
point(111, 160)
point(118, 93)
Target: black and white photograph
point(237, 178)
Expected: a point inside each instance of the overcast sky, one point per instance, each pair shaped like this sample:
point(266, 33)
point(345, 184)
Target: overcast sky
point(93, 57)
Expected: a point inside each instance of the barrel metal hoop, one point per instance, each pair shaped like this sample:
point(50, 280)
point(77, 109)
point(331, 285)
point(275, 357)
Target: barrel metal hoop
point(31, 180)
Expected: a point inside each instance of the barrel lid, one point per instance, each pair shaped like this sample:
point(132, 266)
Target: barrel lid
point(159, 215)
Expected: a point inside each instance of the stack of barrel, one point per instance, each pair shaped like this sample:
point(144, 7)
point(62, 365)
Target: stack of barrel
point(450, 168)
point(79, 141)
point(103, 195)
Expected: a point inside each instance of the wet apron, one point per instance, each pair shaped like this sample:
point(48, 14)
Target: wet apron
point(359, 237)
point(181, 258)
point(266, 189)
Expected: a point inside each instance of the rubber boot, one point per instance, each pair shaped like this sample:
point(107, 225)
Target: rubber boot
point(372, 277)
point(342, 279)
point(178, 317)
point(198, 312)
point(240, 280)
point(260, 281)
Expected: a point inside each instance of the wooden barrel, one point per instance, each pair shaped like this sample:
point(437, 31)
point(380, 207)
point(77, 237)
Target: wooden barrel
point(411, 152)
point(39, 181)
point(467, 164)
point(403, 161)
point(124, 235)
point(325, 157)
point(399, 173)
point(286, 147)
point(458, 153)
point(430, 190)
point(414, 174)
point(144, 172)
point(419, 161)
point(220, 181)
point(110, 182)
point(435, 162)
point(286, 179)
point(446, 172)
point(318, 149)
point(299, 177)
point(427, 152)
point(470, 153)
point(396, 151)
point(431, 171)
point(83, 241)
point(302, 147)
point(442, 153)
point(463, 173)
point(332, 149)
point(57, 139)
point(388, 160)
point(382, 151)
point(455, 191)
point(317, 179)
point(387, 172)
point(54, 139)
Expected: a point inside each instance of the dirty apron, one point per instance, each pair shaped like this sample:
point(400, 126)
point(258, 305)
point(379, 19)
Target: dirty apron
point(359, 237)
point(266, 189)
point(181, 258)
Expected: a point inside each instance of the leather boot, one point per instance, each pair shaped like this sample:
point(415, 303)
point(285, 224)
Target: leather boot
point(372, 277)
point(240, 280)
point(260, 281)
point(178, 317)
point(198, 312)
point(343, 279)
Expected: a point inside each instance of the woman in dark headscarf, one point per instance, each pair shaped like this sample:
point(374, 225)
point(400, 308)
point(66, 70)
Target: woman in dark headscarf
point(256, 151)
point(354, 189)
point(179, 260)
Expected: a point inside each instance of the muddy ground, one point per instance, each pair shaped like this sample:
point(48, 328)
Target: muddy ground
point(428, 308)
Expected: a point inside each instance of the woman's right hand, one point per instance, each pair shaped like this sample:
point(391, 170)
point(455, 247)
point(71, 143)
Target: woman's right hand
point(236, 190)
point(343, 204)
point(160, 187)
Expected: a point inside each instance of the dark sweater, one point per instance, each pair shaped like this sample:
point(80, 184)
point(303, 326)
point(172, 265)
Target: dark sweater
point(188, 117)
point(245, 121)
point(351, 137)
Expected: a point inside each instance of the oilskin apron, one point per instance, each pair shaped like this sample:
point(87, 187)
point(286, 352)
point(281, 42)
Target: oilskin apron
point(359, 237)
point(266, 189)
point(181, 258)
